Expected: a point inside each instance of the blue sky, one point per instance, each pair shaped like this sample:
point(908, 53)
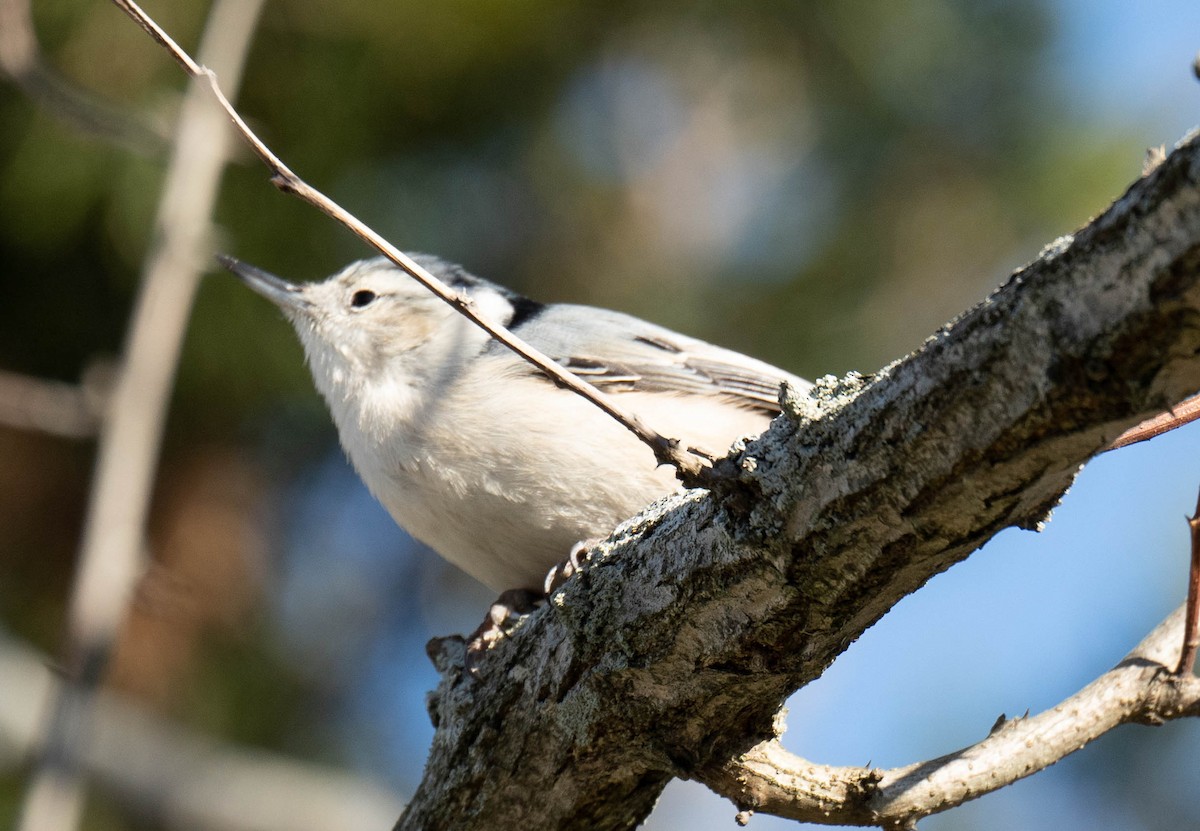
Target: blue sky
point(1020, 625)
point(1032, 618)
point(1130, 62)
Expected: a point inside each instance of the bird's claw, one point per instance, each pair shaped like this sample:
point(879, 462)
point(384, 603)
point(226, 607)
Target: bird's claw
point(501, 616)
point(513, 604)
point(580, 553)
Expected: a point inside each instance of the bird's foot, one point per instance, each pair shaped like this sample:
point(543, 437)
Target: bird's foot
point(581, 552)
point(501, 616)
point(513, 604)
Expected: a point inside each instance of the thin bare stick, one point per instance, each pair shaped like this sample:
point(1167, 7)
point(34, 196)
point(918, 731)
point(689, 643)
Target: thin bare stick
point(689, 467)
point(67, 410)
point(1191, 626)
point(181, 777)
point(112, 550)
point(1181, 414)
point(1140, 689)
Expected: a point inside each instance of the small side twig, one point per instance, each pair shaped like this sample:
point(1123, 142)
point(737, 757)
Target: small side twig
point(690, 469)
point(69, 411)
point(1183, 413)
point(1140, 689)
point(1191, 626)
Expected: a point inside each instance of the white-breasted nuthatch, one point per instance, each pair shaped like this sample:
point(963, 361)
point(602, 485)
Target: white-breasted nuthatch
point(473, 450)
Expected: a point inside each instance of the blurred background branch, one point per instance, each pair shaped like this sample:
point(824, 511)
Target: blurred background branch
point(818, 184)
point(181, 778)
point(111, 555)
point(70, 411)
point(21, 59)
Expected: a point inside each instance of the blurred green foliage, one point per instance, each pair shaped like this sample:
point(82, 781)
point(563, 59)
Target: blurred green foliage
point(821, 184)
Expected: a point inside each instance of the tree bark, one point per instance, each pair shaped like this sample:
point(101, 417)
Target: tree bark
point(674, 649)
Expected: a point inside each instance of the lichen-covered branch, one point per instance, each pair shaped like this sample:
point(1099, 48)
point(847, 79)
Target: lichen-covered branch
point(672, 651)
point(1140, 689)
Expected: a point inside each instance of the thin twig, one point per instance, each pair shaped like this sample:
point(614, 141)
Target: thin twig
point(1140, 689)
point(1191, 635)
point(690, 468)
point(111, 552)
point(1184, 413)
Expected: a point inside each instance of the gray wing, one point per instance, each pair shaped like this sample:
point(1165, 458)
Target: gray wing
point(621, 353)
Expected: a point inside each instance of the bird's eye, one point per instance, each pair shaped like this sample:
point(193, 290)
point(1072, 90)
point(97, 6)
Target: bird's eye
point(362, 297)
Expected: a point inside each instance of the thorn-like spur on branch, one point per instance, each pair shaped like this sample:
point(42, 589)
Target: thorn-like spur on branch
point(689, 467)
point(1191, 627)
point(1141, 689)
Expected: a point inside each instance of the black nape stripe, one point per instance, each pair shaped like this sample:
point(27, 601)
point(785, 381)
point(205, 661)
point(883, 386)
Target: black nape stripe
point(459, 279)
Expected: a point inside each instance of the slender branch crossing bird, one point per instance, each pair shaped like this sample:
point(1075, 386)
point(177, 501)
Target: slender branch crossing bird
point(473, 450)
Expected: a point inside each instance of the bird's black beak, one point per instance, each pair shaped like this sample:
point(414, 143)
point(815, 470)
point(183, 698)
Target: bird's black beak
point(287, 296)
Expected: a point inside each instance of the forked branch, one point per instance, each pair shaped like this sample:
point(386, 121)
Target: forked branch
point(1141, 689)
point(674, 651)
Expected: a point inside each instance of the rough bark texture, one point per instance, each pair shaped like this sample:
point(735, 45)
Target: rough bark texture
point(674, 649)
